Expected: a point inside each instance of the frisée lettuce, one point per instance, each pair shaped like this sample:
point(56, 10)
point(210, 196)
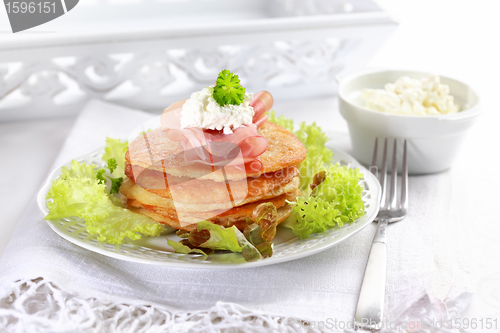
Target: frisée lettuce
point(335, 201)
point(79, 193)
point(331, 194)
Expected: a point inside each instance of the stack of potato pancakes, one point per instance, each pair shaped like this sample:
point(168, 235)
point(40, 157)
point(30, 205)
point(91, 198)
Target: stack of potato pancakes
point(163, 185)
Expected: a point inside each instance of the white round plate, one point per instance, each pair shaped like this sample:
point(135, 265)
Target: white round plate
point(155, 251)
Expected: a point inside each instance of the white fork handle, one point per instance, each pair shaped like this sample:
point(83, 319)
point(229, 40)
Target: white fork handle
point(370, 309)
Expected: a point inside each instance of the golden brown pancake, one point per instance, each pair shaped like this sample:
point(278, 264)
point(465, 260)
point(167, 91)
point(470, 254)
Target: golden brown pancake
point(188, 190)
point(132, 191)
point(180, 193)
point(240, 211)
point(238, 217)
point(155, 151)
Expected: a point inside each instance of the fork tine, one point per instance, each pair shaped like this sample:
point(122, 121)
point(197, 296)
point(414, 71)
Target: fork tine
point(383, 174)
point(392, 205)
point(404, 181)
point(373, 166)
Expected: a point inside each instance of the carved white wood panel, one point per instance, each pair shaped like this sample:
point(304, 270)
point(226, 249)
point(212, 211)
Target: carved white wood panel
point(158, 69)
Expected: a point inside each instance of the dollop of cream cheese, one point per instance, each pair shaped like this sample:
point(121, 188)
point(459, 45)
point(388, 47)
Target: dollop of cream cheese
point(202, 111)
point(407, 96)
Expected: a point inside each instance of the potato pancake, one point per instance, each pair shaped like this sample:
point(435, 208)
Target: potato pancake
point(188, 190)
point(132, 191)
point(237, 216)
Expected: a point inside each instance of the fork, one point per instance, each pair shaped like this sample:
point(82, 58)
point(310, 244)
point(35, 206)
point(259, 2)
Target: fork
point(370, 308)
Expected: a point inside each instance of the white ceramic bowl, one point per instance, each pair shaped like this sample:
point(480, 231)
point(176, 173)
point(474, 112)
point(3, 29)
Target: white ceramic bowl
point(433, 141)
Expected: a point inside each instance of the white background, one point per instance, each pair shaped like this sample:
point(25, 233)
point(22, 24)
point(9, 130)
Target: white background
point(454, 38)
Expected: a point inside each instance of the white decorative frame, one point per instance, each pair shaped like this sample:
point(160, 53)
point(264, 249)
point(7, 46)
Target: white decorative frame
point(292, 56)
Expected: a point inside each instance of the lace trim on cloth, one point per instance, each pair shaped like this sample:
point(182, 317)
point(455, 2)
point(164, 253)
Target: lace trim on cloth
point(40, 306)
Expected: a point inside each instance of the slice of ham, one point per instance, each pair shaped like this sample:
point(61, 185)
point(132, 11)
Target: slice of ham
point(261, 103)
point(240, 149)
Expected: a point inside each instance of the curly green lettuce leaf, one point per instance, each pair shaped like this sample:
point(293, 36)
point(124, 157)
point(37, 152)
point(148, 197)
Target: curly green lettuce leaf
point(331, 194)
point(209, 237)
point(228, 89)
point(118, 223)
point(265, 216)
point(78, 193)
point(248, 250)
point(117, 202)
point(220, 238)
point(313, 139)
point(283, 121)
point(115, 149)
point(317, 154)
point(74, 196)
point(254, 243)
point(253, 233)
point(256, 239)
point(79, 170)
point(335, 201)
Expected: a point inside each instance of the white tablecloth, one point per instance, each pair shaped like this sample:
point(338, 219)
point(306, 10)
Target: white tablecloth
point(452, 39)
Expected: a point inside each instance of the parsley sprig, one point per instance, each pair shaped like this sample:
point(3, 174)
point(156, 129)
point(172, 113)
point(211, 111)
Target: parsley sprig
point(115, 182)
point(228, 89)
